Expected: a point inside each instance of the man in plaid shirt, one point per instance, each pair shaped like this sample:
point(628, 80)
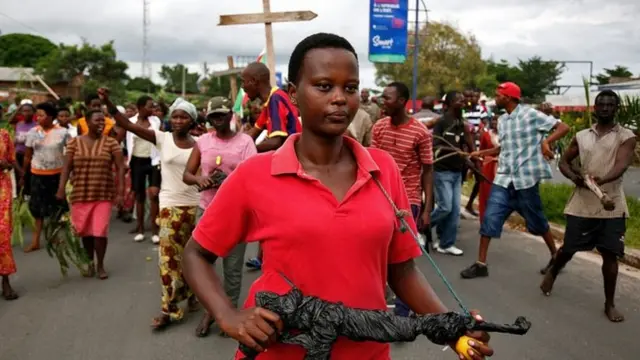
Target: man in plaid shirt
point(521, 167)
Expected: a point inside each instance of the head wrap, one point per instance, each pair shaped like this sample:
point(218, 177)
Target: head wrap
point(184, 105)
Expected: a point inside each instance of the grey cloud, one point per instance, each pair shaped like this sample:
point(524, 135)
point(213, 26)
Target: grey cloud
point(189, 33)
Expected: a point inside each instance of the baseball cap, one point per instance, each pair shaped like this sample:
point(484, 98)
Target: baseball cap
point(509, 89)
point(219, 105)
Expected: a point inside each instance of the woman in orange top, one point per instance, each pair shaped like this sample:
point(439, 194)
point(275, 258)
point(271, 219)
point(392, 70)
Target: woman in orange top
point(92, 102)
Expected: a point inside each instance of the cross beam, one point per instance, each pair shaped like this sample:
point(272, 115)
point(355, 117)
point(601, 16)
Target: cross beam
point(267, 17)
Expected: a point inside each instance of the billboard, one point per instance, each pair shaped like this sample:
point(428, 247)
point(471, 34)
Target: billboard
point(388, 31)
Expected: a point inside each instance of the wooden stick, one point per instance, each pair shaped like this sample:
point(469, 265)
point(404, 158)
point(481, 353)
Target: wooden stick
point(604, 198)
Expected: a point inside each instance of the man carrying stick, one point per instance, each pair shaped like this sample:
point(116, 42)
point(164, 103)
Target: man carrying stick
point(597, 210)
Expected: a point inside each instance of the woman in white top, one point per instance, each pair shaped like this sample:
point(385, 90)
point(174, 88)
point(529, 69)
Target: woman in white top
point(144, 162)
point(178, 203)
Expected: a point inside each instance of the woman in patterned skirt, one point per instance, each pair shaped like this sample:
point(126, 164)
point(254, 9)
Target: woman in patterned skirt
point(7, 163)
point(178, 203)
point(91, 158)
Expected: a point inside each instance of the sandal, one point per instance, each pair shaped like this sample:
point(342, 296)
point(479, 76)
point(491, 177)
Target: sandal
point(161, 322)
point(102, 275)
point(204, 327)
point(9, 296)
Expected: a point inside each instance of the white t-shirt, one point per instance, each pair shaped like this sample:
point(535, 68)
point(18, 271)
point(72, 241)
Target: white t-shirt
point(173, 160)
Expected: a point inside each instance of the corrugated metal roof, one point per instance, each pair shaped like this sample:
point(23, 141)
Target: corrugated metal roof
point(626, 85)
point(16, 74)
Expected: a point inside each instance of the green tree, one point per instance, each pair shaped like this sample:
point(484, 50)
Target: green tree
point(99, 65)
point(618, 71)
point(23, 50)
point(142, 84)
point(447, 60)
point(535, 76)
point(172, 75)
point(219, 86)
point(538, 77)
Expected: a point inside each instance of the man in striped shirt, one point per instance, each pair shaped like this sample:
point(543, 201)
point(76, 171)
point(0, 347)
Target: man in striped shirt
point(411, 146)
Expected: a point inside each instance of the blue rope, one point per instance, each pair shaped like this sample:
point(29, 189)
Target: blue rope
point(404, 228)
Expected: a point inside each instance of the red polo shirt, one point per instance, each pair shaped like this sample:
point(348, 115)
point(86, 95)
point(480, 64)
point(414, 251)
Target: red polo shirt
point(338, 251)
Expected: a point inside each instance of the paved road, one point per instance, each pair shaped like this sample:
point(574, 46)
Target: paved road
point(88, 319)
point(631, 181)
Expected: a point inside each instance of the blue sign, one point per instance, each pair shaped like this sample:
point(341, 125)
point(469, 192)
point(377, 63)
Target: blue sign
point(388, 31)
point(279, 79)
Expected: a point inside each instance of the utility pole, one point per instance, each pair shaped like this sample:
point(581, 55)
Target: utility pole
point(146, 22)
point(184, 81)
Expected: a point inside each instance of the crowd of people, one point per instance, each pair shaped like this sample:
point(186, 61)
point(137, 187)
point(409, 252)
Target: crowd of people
point(332, 159)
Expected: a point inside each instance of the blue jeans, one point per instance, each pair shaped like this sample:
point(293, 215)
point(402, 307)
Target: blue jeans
point(401, 308)
point(446, 215)
point(504, 201)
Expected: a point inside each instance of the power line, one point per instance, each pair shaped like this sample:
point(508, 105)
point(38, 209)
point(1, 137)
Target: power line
point(21, 23)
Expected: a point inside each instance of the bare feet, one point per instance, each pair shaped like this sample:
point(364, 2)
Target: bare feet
point(102, 274)
point(160, 322)
point(7, 291)
point(205, 324)
point(547, 283)
point(613, 314)
point(32, 248)
point(546, 269)
point(194, 305)
point(91, 271)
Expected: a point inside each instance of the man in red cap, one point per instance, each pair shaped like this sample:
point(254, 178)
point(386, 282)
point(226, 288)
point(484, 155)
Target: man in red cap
point(523, 153)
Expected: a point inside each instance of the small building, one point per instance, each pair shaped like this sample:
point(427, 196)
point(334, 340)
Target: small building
point(24, 82)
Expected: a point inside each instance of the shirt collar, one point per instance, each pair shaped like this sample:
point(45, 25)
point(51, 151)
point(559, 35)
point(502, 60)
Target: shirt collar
point(515, 111)
point(273, 90)
point(615, 128)
point(285, 160)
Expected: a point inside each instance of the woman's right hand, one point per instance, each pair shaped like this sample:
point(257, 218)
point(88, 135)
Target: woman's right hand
point(204, 182)
point(257, 328)
point(103, 94)
point(60, 195)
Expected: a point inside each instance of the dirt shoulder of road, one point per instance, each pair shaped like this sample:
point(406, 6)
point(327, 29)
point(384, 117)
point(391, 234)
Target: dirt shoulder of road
point(516, 222)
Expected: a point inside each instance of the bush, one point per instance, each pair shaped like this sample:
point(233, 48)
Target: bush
point(555, 197)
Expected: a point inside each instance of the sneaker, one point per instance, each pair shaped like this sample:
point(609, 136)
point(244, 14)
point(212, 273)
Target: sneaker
point(451, 250)
point(474, 271)
point(139, 238)
point(155, 239)
point(436, 245)
point(422, 240)
point(254, 264)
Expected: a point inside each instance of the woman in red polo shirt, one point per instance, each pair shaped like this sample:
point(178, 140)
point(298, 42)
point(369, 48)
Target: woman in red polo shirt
point(320, 217)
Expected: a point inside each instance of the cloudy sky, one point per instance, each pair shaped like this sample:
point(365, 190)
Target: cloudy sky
point(185, 31)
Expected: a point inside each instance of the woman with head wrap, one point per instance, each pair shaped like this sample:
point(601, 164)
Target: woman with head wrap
point(178, 202)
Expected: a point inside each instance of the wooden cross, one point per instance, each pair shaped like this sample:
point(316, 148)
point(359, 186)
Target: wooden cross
point(267, 17)
point(231, 72)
